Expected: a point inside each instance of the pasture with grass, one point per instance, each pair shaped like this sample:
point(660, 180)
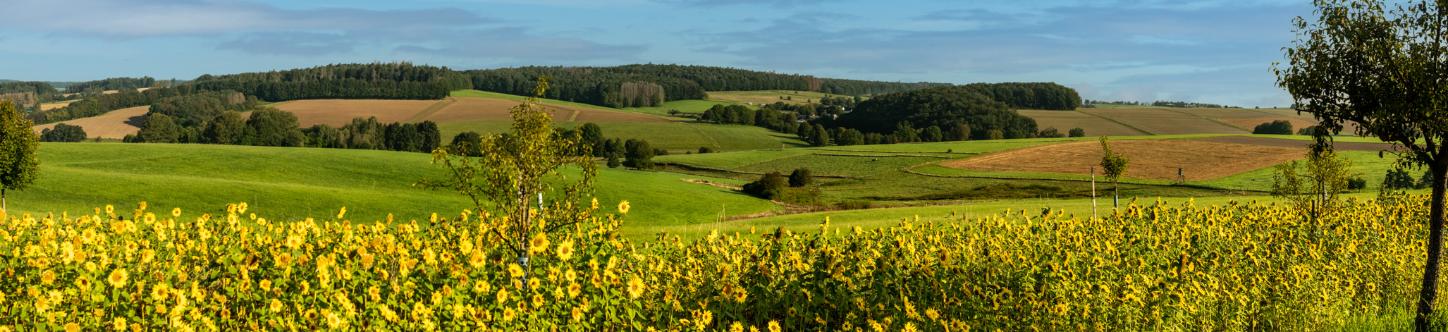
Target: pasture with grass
point(852, 175)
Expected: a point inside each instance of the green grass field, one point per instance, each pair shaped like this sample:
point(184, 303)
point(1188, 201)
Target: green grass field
point(674, 134)
point(301, 182)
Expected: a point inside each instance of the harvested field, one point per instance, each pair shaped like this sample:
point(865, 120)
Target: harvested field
point(1065, 120)
point(56, 105)
point(481, 109)
point(767, 96)
point(1149, 159)
point(1164, 121)
point(337, 112)
point(111, 125)
point(1301, 145)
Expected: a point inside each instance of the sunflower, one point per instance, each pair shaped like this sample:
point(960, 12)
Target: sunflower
point(119, 324)
point(72, 327)
point(635, 287)
point(565, 250)
point(502, 296)
point(623, 207)
point(539, 244)
point(118, 278)
point(276, 305)
point(774, 326)
point(265, 285)
point(342, 213)
point(574, 289)
point(577, 314)
point(515, 271)
point(508, 314)
point(477, 260)
point(176, 212)
point(47, 278)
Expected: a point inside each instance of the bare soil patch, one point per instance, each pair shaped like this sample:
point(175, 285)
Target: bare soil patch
point(1297, 144)
point(1149, 159)
point(337, 112)
point(56, 105)
point(475, 109)
point(112, 125)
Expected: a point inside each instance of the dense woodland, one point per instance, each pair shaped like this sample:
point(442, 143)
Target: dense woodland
point(113, 83)
point(1043, 96)
point(343, 81)
point(621, 86)
point(956, 112)
point(28, 94)
point(609, 86)
point(371, 134)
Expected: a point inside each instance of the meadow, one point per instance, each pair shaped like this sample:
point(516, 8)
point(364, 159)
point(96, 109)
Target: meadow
point(296, 183)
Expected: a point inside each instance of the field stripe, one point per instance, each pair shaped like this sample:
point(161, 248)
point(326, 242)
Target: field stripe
point(432, 109)
point(1123, 124)
point(1220, 122)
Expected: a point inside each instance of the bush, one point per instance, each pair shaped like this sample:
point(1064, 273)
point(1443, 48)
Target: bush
point(800, 177)
point(1399, 179)
point(1050, 132)
point(1278, 127)
point(638, 154)
point(1077, 132)
point(705, 149)
point(272, 127)
point(63, 133)
point(468, 143)
point(769, 186)
point(1357, 183)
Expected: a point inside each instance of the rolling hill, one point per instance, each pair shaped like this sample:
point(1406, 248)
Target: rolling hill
point(296, 183)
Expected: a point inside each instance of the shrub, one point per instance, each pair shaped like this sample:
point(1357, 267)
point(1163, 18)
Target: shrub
point(1278, 127)
point(468, 143)
point(63, 133)
point(1077, 132)
point(1357, 183)
point(1050, 132)
point(800, 177)
point(1399, 179)
point(770, 186)
point(705, 149)
point(638, 154)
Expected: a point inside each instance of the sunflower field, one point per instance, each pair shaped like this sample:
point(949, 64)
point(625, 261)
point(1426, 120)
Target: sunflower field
point(1147, 267)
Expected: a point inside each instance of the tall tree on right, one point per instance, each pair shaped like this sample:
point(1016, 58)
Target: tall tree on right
point(1384, 68)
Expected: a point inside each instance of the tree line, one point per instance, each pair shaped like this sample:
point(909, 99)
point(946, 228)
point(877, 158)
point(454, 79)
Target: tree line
point(616, 152)
point(610, 86)
point(957, 112)
point(113, 83)
point(371, 134)
point(342, 81)
point(1045, 96)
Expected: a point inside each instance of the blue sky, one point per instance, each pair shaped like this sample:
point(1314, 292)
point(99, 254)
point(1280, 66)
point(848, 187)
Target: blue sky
point(1199, 50)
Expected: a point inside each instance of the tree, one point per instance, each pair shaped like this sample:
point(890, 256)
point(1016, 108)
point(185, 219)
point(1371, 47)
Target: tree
point(467, 143)
point(1399, 179)
point(592, 135)
point(932, 134)
point(428, 136)
point(1358, 62)
point(226, 128)
point(1114, 166)
point(1077, 132)
point(770, 186)
point(271, 127)
point(1315, 188)
point(63, 133)
point(18, 144)
point(800, 177)
point(159, 128)
point(638, 154)
point(1276, 127)
point(516, 172)
point(819, 136)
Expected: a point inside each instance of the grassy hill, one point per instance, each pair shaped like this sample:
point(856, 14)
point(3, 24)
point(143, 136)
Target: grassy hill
point(300, 182)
